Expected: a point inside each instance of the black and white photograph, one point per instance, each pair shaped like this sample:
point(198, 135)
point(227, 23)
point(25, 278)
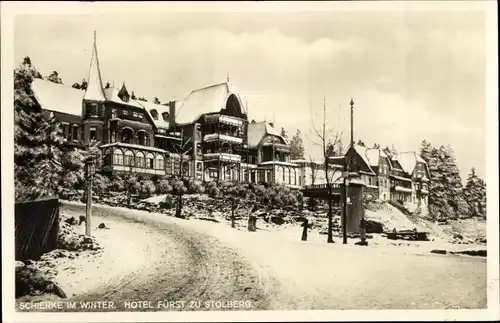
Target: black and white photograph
point(197, 161)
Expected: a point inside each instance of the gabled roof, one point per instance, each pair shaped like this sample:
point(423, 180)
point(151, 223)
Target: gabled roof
point(94, 91)
point(408, 161)
point(361, 151)
point(373, 156)
point(258, 130)
point(210, 99)
point(58, 97)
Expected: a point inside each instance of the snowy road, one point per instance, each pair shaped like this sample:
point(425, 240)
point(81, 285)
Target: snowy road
point(208, 262)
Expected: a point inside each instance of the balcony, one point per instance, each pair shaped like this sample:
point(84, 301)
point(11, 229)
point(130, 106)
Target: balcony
point(222, 157)
point(222, 137)
point(233, 121)
point(423, 191)
point(277, 147)
point(401, 189)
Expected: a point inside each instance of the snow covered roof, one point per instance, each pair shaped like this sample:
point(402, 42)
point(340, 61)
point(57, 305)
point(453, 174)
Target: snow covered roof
point(210, 99)
point(258, 130)
point(362, 152)
point(149, 106)
point(408, 161)
point(94, 89)
point(57, 97)
point(111, 95)
point(373, 156)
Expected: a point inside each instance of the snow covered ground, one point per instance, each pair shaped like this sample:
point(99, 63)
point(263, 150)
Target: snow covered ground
point(286, 273)
point(127, 248)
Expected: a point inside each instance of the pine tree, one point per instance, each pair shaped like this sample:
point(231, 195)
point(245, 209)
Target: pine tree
point(426, 150)
point(37, 140)
point(297, 146)
point(475, 195)
point(454, 185)
point(446, 200)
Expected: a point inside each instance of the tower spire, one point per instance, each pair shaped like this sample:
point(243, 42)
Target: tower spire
point(94, 91)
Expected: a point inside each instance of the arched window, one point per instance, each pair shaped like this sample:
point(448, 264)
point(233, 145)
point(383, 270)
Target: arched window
point(117, 157)
point(149, 161)
point(129, 158)
point(139, 160)
point(233, 106)
point(128, 135)
point(160, 163)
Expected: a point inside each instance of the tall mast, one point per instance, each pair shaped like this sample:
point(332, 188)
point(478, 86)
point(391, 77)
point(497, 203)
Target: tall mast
point(352, 122)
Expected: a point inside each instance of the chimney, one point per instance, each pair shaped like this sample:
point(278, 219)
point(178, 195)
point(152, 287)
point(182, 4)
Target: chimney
point(171, 106)
point(271, 124)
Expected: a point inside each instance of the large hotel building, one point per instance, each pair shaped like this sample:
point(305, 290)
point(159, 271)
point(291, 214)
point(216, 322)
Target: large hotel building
point(207, 136)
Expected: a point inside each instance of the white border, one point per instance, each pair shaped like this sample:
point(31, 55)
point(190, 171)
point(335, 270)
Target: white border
point(11, 9)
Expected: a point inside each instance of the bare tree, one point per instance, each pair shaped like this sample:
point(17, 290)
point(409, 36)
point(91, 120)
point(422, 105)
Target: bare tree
point(328, 140)
point(313, 170)
point(182, 186)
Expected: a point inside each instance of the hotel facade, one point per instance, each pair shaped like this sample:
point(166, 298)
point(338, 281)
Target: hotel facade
point(207, 136)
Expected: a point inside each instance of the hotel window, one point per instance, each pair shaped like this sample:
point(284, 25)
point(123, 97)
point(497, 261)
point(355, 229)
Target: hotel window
point(139, 158)
point(169, 169)
point(93, 133)
point(93, 108)
point(125, 112)
point(128, 158)
point(113, 136)
point(160, 162)
point(66, 131)
point(74, 129)
point(114, 113)
point(149, 161)
point(117, 157)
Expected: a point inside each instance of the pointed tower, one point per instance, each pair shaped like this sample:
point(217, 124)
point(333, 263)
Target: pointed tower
point(94, 90)
point(93, 102)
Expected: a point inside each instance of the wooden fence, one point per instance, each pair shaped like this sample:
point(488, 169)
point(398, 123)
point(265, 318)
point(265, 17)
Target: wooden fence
point(37, 227)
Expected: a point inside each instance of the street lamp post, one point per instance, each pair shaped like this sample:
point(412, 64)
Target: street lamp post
point(90, 163)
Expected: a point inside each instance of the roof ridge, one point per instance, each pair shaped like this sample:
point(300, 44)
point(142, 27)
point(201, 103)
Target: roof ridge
point(58, 84)
point(207, 87)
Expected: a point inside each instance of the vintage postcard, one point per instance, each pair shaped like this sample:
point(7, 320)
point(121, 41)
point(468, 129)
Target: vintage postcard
point(217, 161)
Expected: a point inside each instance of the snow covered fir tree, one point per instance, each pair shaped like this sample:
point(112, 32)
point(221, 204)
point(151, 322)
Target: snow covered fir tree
point(448, 198)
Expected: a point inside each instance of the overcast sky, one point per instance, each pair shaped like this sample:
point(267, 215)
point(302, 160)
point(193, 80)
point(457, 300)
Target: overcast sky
point(412, 76)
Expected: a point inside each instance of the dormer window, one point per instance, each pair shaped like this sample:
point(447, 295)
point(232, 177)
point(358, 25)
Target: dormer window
point(154, 114)
point(123, 94)
point(165, 116)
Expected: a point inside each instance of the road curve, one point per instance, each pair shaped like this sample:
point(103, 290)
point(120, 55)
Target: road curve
point(197, 269)
point(205, 261)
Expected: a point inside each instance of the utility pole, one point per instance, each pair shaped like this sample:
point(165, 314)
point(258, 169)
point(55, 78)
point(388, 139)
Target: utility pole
point(347, 170)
